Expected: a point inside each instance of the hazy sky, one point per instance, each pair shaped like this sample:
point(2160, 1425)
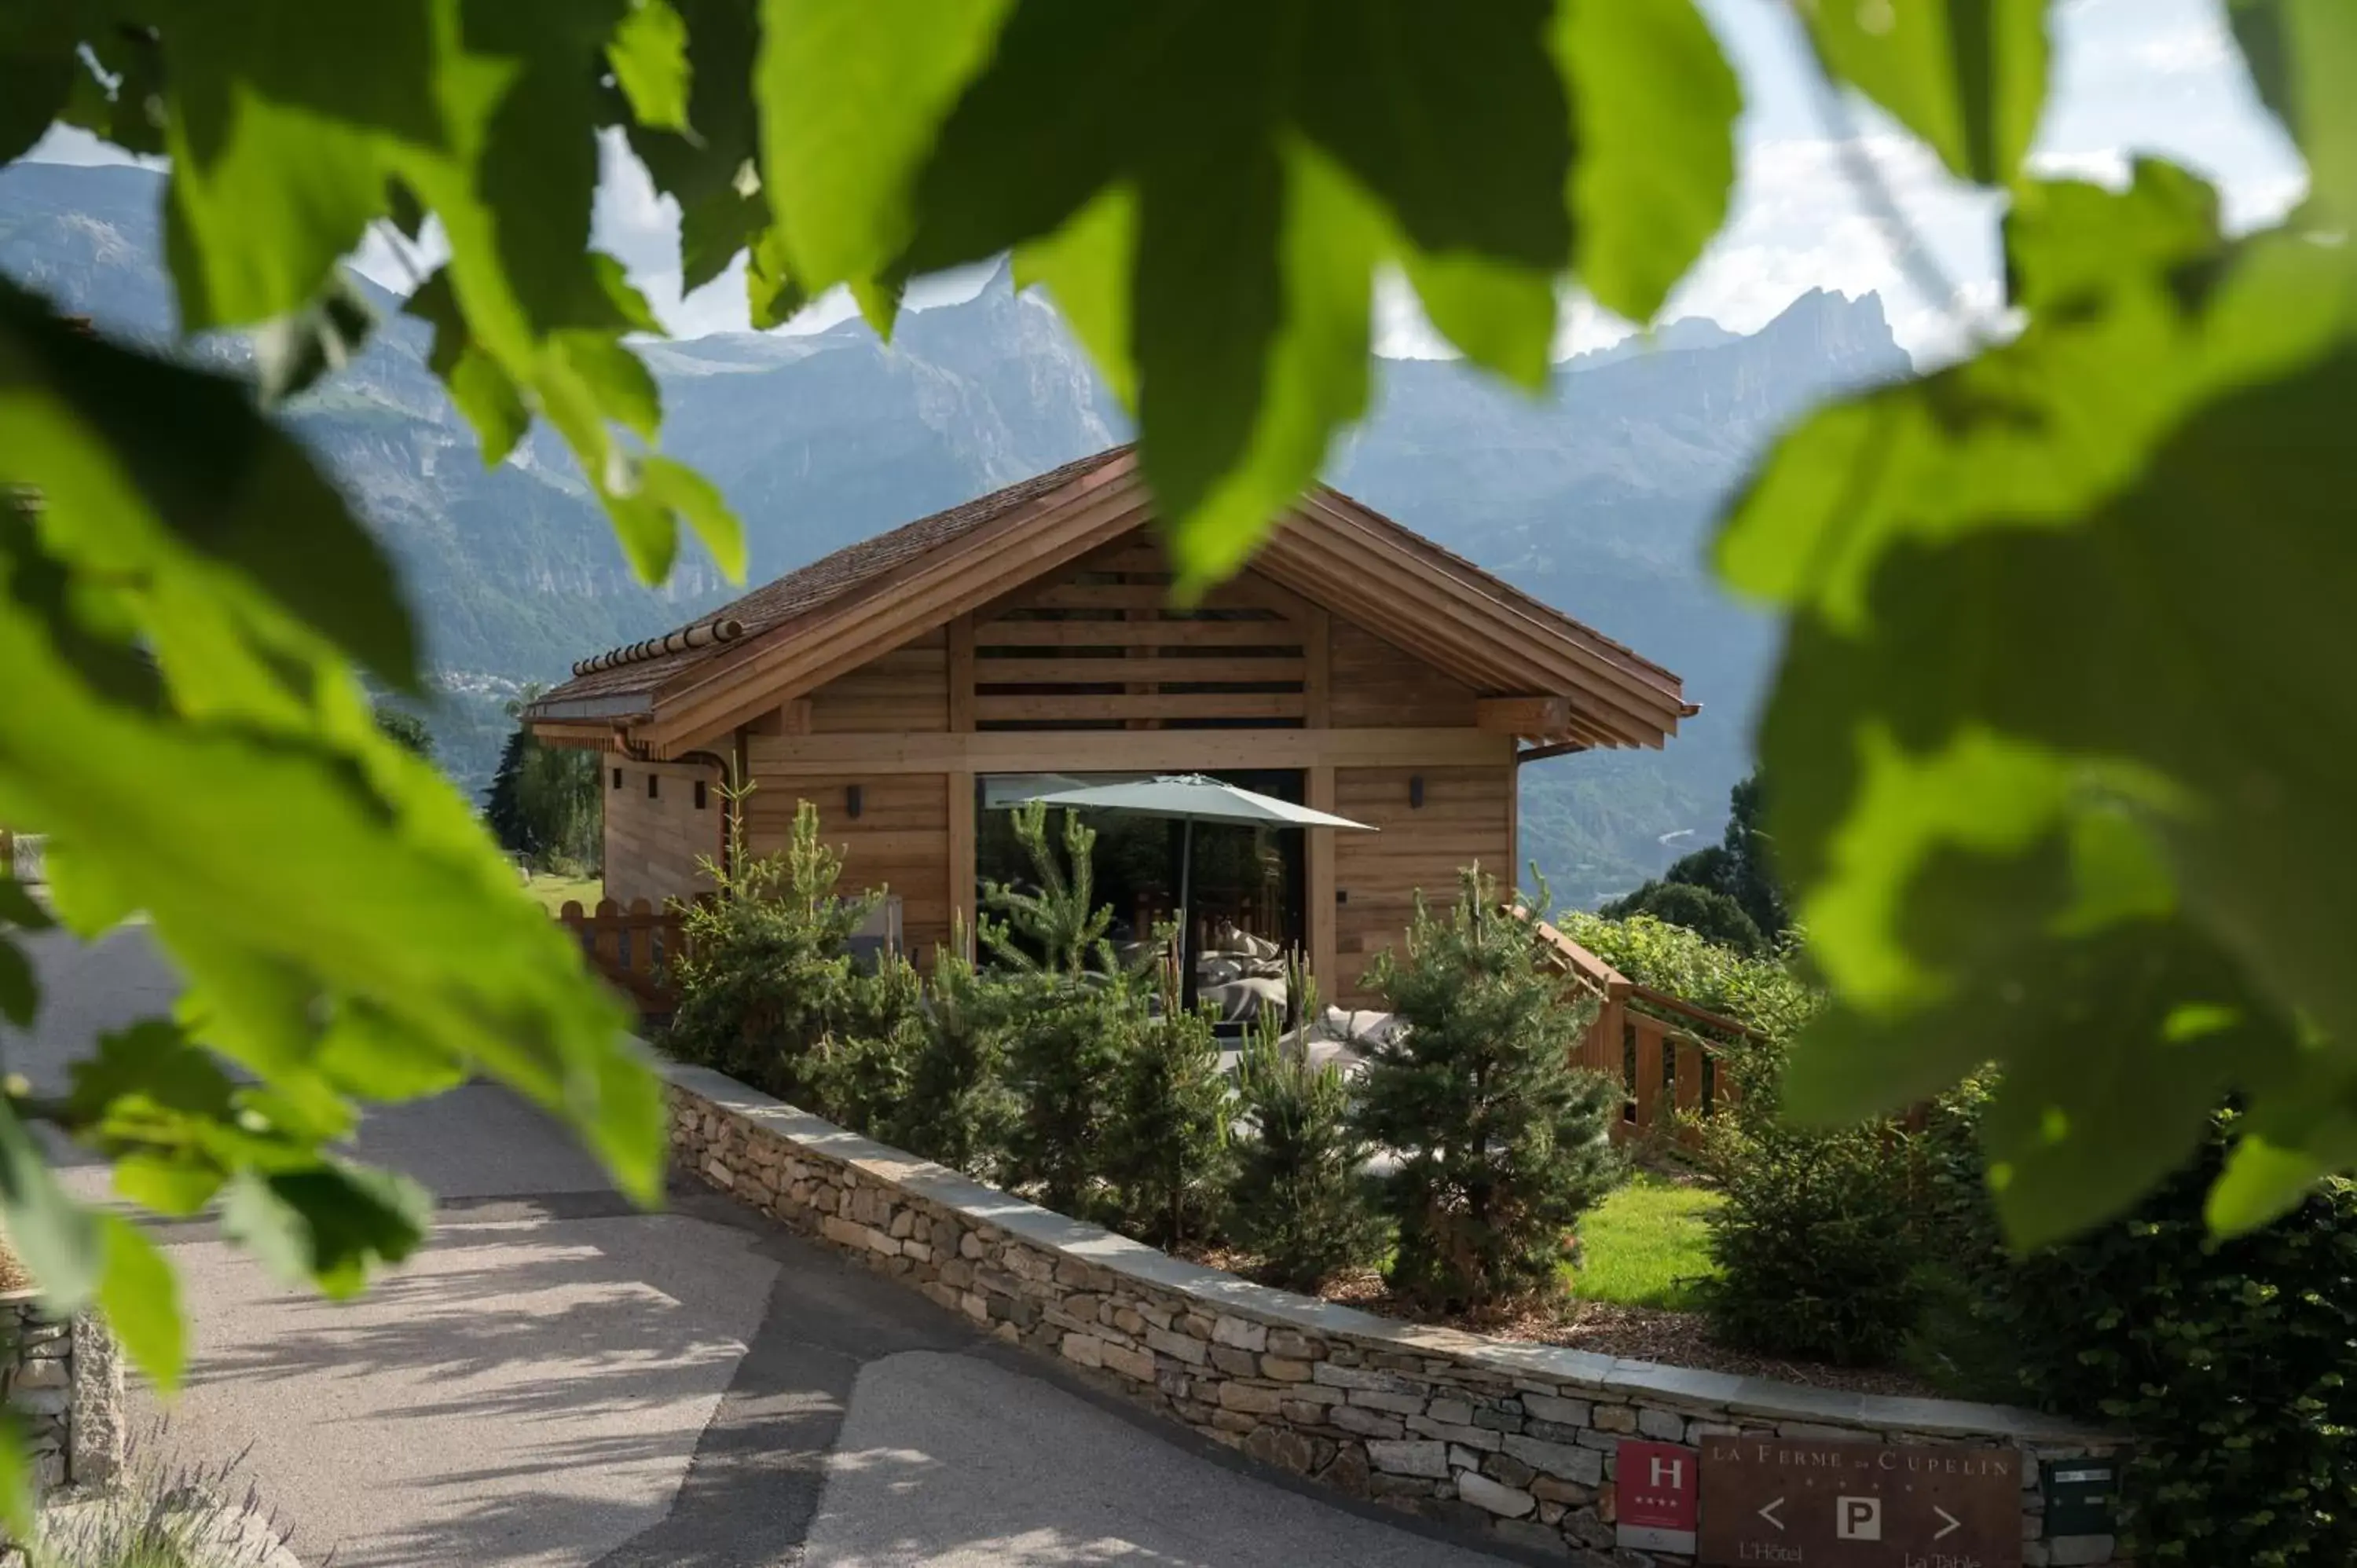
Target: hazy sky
point(2156, 75)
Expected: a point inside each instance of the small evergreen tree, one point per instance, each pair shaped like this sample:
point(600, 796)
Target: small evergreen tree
point(1300, 1197)
point(1061, 928)
point(861, 1069)
point(957, 1109)
point(1502, 1141)
point(766, 973)
point(1074, 1015)
point(1166, 1148)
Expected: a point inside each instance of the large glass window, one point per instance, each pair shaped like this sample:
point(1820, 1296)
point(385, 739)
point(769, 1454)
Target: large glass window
point(1245, 882)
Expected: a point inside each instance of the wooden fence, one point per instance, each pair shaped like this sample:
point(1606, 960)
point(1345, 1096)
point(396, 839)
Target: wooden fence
point(628, 947)
point(1667, 1053)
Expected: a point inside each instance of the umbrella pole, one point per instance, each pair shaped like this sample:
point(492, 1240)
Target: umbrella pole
point(1186, 911)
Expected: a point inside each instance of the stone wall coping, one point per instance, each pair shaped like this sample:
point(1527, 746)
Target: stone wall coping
point(20, 1297)
point(1704, 1392)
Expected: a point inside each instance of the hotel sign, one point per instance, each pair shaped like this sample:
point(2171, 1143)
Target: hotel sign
point(1654, 1490)
point(1770, 1500)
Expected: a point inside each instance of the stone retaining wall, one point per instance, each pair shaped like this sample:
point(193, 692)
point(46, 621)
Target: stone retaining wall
point(1513, 1441)
point(65, 1380)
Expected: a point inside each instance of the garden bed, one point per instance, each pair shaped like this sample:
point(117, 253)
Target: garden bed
point(1635, 1294)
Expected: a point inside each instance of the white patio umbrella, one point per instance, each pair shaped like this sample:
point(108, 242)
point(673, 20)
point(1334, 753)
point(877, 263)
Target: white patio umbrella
point(1191, 797)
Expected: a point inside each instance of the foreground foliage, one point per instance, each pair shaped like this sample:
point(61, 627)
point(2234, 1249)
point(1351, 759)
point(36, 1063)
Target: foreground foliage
point(2063, 699)
point(1501, 1143)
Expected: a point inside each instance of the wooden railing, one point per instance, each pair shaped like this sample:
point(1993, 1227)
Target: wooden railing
point(628, 947)
point(1668, 1054)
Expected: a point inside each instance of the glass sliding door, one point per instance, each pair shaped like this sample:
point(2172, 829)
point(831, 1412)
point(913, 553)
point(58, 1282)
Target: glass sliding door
point(1246, 882)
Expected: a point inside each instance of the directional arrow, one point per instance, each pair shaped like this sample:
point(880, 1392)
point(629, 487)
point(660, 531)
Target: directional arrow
point(1768, 1512)
point(1949, 1529)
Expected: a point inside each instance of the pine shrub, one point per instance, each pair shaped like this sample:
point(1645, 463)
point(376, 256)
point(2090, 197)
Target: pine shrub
point(1816, 1255)
point(766, 972)
point(957, 1107)
point(1074, 1016)
point(1166, 1148)
point(1301, 1198)
point(1502, 1143)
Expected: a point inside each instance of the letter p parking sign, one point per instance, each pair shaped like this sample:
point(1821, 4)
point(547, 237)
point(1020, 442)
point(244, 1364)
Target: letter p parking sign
point(1857, 1518)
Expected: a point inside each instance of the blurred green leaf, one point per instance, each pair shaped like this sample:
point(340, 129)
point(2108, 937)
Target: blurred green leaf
point(478, 385)
point(177, 1185)
point(16, 1489)
point(130, 116)
point(1654, 105)
point(35, 87)
point(328, 1225)
point(1085, 267)
point(692, 496)
point(1373, 117)
point(711, 172)
point(19, 908)
point(148, 462)
point(1967, 76)
point(1503, 317)
point(266, 739)
point(142, 1300)
point(850, 98)
point(2299, 53)
point(714, 230)
point(2260, 1183)
point(275, 132)
point(55, 1238)
point(293, 351)
point(20, 992)
point(770, 293)
point(2104, 1088)
point(649, 54)
point(2142, 311)
point(2025, 707)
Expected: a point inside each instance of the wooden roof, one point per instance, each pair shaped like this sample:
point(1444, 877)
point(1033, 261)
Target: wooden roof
point(840, 612)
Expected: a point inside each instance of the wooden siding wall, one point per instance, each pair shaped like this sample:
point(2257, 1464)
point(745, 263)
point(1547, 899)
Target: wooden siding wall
point(900, 841)
point(1088, 670)
point(1377, 686)
point(1467, 815)
point(653, 846)
point(1095, 647)
point(906, 690)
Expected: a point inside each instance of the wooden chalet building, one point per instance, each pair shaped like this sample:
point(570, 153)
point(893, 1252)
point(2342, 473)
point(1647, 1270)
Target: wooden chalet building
point(912, 684)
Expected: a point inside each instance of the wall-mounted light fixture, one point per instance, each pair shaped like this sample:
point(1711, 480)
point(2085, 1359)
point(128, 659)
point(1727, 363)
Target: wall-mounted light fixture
point(1416, 792)
point(653, 785)
point(852, 803)
point(699, 794)
point(617, 779)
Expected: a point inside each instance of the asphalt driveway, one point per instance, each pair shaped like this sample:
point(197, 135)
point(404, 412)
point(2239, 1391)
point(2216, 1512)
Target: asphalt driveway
point(558, 1379)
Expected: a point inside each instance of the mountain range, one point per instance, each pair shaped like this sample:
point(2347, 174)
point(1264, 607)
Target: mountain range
point(1597, 497)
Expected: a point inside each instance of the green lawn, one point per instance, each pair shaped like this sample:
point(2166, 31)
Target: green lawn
point(553, 891)
point(1646, 1245)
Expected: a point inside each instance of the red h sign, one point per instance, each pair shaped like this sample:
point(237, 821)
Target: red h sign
point(1655, 1485)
